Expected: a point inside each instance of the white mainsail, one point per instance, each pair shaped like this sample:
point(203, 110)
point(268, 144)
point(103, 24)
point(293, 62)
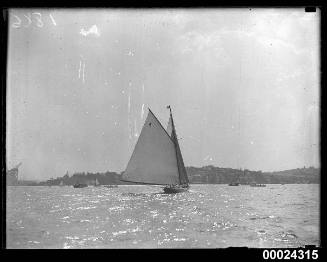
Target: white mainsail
point(154, 157)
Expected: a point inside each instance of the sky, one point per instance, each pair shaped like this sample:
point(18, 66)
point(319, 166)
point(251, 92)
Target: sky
point(243, 85)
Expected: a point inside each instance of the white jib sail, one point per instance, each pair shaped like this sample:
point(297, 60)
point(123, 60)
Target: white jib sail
point(154, 158)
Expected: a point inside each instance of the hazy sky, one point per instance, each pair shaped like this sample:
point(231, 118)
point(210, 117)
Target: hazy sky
point(243, 86)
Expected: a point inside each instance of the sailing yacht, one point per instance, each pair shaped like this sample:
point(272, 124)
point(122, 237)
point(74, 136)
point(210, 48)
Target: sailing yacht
point(96, 183)
point(157, 158)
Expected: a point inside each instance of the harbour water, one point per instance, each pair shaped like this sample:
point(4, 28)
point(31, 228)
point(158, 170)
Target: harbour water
point(208, 216)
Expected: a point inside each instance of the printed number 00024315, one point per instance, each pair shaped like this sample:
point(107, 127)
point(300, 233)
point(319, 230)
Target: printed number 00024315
point(290, 254)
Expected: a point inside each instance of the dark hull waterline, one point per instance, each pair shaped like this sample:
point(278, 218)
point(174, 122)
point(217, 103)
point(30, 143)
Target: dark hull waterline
point(234, 184)
point(174, 190)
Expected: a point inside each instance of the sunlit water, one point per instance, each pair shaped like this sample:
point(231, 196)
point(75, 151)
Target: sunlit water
point(208, 216)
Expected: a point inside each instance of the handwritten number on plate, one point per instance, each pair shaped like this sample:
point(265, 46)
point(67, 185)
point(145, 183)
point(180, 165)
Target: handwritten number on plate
point(28, 17)
point(38, 18)
point(18, 23)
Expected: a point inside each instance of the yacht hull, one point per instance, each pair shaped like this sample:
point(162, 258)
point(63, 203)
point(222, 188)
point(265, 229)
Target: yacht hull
point(174, 190)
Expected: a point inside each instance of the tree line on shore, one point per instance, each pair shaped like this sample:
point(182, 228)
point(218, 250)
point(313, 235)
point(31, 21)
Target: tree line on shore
point(199, 175)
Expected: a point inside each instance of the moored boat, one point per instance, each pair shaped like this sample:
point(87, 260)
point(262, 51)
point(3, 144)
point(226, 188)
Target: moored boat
point(234, 184)
point(257, 185)
point(80, 185)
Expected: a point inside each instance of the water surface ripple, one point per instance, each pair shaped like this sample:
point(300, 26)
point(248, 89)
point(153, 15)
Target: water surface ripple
point(208, 216)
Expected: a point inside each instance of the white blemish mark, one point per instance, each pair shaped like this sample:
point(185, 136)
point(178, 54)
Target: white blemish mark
point(251, 142)
point(115, 123)
point(130, 127)
point(143, 88)
point(135, 128)
point(79, 70)
point(83, 72)
point(130, 53)
point(129, 102)
point(142, 112)
point(118, 73)
point(92, 31)
point(52, 19)
point(130, 83)
point(123, 92)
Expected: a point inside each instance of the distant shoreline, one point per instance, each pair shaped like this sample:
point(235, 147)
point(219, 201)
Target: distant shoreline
point(159, 185)
point(196, 175)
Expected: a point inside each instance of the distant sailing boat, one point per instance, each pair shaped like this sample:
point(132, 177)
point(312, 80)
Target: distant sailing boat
point(61, 183)
point(96, 183)
point(157, 158)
